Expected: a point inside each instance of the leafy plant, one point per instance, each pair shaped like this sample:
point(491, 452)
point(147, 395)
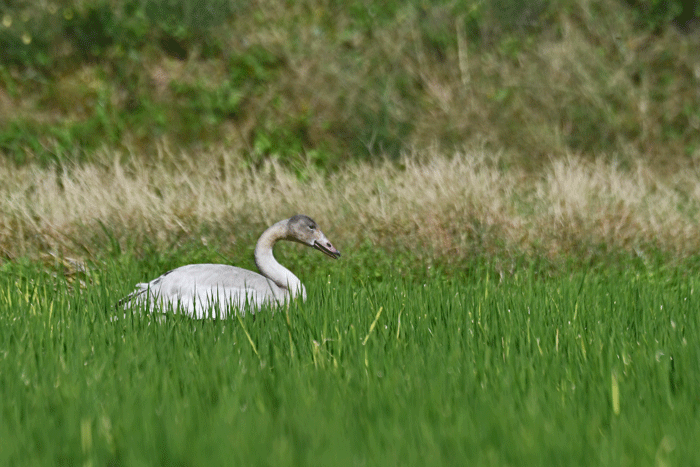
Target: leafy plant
point(655, 14)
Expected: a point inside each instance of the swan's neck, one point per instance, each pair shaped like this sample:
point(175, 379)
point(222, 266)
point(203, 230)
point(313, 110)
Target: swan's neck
point(268, 265)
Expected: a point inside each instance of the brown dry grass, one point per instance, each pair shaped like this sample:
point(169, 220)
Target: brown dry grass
point(433, 205)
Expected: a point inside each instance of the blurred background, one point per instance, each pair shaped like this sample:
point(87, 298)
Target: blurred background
point(319, 83)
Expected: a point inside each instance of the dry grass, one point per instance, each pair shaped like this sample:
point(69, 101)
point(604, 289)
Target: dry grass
point(440, 206)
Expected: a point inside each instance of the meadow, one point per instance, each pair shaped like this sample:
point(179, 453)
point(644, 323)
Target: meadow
point(478, 314)
point(588, 368)
point(514, 186)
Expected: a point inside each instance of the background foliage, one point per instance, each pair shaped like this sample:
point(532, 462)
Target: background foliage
point(325, 82)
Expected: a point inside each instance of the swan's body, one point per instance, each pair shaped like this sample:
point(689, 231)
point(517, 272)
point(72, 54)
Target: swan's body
point(216, 290)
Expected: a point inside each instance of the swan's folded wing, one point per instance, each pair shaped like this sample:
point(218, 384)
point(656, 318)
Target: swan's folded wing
point(214, 302)
point(204, 290)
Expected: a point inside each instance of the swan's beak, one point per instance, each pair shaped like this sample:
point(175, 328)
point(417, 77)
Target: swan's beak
point(326, 247)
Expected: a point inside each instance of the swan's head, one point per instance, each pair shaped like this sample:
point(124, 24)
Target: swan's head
point(304, 230)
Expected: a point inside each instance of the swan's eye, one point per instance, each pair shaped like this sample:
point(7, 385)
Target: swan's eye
point(312, 227)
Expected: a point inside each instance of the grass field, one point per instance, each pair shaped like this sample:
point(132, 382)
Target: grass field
point(587, 368)
point(514, 186)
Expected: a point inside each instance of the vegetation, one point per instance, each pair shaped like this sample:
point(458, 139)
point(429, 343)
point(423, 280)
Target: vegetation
point(438, 210)
point(328, 82)
point(590, 369)
point(513, 184)
point(496, 321)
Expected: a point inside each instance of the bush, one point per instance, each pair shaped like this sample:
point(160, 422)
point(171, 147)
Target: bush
point(314, 83)
point(655, 14)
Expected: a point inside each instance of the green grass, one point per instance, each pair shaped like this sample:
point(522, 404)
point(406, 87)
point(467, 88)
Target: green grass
point(597, 368)
point(327, 82)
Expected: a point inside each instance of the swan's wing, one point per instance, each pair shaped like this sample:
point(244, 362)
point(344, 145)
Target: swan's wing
point(212, 302)
point(202, 290)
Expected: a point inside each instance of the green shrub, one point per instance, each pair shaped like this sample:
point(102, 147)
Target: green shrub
point(655, 14)
point(35, 35)
point(324, 82)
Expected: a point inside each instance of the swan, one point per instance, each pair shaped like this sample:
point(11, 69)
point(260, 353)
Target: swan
point(211, 290)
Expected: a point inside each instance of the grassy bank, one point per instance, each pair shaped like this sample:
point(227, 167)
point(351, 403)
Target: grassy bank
point(327, 82)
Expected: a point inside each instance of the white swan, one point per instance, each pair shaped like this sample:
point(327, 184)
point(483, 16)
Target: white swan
point(216, 290)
